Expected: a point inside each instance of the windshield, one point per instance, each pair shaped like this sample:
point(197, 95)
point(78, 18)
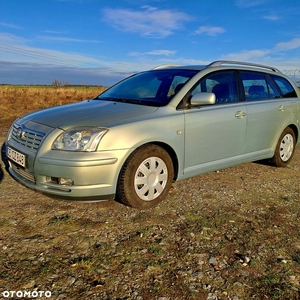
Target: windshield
point(155, 87)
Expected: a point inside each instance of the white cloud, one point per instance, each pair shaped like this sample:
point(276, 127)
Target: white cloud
point(210, 30)
point(153, 52)
point(11, 39)
point(247, 3)
point(65, 39)
point(56, 32)
point(286, 46)
point(14, 49)
point(246, 55)
point(283, 65)
point(161, 52)
point(147, 21)
point(264, 54)
point(272, 17)
point(9, 25)
point(135, 53)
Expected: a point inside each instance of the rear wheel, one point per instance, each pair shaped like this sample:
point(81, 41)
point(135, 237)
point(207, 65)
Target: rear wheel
point(285, 148)
point(146, 177)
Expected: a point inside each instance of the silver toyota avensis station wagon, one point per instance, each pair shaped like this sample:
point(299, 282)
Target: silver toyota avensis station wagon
point(156, 127)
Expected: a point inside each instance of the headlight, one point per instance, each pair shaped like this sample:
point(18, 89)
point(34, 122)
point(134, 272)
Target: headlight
point(9, 133)
point(79, 139)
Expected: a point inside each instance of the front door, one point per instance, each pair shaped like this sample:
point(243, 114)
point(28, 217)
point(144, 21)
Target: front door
point(215, 134)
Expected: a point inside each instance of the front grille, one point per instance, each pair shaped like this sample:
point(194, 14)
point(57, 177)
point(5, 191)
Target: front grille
point(23, 173)
point(26, 137)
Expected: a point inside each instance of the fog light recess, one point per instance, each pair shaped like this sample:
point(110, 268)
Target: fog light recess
point(60, 181)
point(65, 181)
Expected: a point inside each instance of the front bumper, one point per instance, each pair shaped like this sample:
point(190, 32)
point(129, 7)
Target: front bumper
point(80, 191)
point(91, 176)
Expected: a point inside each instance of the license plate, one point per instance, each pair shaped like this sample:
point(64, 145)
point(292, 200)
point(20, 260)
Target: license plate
point(16, 156)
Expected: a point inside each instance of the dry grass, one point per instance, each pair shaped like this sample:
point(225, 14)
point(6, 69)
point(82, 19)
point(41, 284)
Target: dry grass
point(16, 101)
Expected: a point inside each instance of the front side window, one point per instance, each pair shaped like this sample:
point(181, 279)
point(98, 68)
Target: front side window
point(156, 87)
point(258, 87)
point(285, 87)
point(222, 84)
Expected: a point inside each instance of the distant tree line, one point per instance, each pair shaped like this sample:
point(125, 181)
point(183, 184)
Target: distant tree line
point(60, 83)
point(64, 83)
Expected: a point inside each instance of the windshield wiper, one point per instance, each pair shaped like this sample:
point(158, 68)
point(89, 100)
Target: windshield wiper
point(123, 100)
point(134, 101)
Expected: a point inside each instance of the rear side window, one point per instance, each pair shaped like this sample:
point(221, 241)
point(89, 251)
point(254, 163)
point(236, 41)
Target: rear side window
point(257, 86)
point(285, 87)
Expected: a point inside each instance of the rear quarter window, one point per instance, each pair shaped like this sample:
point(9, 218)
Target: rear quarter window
point(285, 87)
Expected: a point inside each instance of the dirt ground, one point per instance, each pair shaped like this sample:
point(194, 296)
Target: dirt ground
point(231, 234)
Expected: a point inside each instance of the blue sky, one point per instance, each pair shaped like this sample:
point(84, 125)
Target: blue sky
point(103, 41)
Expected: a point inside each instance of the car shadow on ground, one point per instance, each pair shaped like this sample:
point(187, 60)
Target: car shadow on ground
point(1, 174)
point(4, 160)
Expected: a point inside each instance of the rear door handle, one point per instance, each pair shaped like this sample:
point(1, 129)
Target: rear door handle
point(240, 114)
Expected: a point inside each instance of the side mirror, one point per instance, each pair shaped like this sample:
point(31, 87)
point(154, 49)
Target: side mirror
point(203, 99)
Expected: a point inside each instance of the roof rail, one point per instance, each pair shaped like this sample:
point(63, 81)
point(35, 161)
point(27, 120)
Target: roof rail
point(230, 62)
point(165, 66)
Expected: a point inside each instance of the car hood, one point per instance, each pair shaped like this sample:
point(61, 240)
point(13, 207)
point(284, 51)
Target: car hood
point(89, 113)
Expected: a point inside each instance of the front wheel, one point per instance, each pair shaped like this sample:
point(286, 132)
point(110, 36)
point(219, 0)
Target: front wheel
point(285, 148)
point(146, 177)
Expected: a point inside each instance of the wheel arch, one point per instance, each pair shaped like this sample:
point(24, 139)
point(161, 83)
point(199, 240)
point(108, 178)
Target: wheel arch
point(285, 147)
point(126, 192)
point(170, 151)
point(172, 154)
point(291, 126)
point(296, 131)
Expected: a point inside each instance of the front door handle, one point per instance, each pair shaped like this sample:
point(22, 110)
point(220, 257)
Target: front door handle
point(240, 114)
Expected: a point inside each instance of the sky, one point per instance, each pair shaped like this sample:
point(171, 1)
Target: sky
point(99, 42)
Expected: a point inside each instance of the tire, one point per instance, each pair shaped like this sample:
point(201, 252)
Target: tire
point(146, 177)
point(285, 148)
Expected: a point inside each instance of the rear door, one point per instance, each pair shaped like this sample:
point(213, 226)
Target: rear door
point(266, 112)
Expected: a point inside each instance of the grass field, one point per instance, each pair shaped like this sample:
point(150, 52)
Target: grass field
point(18, 100)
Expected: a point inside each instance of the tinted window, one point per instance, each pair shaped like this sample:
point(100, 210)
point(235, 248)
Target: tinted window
point(257, 86)
point(285, 87)
point(177, 83)
point(155, 87)
point(222, 84)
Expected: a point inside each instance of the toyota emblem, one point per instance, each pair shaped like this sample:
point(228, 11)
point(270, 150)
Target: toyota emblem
point(20, 133)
